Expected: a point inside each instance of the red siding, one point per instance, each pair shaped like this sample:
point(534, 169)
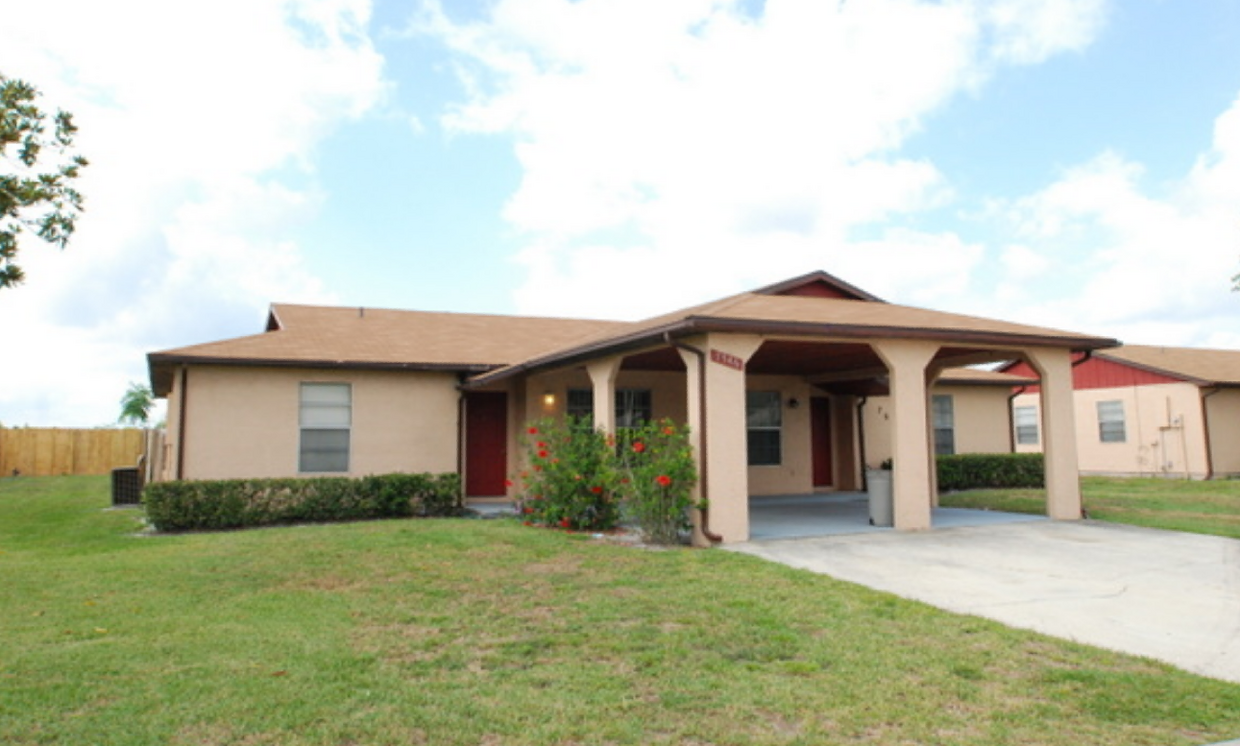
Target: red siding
point(818, 290)
point(1097, 373)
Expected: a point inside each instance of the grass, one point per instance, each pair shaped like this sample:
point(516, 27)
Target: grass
point(1203, 507)
point(487, 632)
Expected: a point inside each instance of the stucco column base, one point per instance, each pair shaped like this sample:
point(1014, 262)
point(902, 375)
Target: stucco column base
point(1063, 479)
point(719, 433)
point(603, 374)
point(911, 453)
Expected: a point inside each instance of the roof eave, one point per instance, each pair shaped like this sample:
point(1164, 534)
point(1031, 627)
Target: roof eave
point(706, 324)
point(160, 366)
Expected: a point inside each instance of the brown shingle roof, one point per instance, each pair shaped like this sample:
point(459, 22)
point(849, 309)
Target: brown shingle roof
point(977, 376)
point(1201, 366)
point(321, 336)
point(810, 317)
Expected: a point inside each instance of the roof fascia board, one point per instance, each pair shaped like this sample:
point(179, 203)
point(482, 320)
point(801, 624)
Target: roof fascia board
point(156, 359)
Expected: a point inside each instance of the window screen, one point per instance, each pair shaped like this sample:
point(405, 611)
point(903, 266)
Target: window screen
point(944, 425)
point(326, 418)
point(1026, 421)
point(1111, 422)
point(764, 420)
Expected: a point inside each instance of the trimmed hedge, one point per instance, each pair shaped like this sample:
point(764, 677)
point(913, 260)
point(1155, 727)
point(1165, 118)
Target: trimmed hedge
point(969, 471)
point(237, 503)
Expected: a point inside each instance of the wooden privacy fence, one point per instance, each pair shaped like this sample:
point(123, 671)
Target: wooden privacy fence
point(36, 451)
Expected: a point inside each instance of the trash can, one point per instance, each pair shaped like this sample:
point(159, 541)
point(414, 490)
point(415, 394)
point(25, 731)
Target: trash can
point(126, 486)
point(878, 481)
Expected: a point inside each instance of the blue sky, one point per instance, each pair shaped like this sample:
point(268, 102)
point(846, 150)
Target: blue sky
point(1073, 164)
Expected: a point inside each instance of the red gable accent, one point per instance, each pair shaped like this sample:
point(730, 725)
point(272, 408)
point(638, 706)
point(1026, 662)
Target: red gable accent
point(818, 285)
point(1097, 373)
point(818, 290)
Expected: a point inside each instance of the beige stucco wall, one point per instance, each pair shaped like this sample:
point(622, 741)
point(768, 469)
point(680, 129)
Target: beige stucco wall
point(243, 422)
point(1163, 428)
point(669, 398)
point(794, 475)
point(1223, 411)
point(980, 418)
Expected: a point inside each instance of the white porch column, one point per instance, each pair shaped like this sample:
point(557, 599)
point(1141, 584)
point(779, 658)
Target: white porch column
point(911, 452)
point(1063, 483)
point(603, 374)
point(719, 433)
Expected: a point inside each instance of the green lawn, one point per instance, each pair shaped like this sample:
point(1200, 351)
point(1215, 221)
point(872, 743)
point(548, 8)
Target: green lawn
point(487, 632)
point(1211, 507)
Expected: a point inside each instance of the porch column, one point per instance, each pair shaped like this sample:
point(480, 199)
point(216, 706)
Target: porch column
point(603, 374)
point(716, 399)
point(911, 452)
point(1063, 484)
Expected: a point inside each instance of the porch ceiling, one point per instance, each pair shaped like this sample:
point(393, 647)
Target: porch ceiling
point(837, 361)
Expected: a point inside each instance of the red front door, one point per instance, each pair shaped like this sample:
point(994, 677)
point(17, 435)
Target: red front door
point(820, 441)
point(486, 443)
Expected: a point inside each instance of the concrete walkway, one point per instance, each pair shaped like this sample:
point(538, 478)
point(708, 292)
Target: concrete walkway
point(1161, 594)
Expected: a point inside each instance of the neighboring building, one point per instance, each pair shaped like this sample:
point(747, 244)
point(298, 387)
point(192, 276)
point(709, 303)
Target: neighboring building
point(769, 382)
point(1147, 411)
point(970, 412)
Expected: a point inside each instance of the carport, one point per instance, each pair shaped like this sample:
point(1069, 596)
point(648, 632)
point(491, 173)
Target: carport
point(812, 337)
point(846, 513)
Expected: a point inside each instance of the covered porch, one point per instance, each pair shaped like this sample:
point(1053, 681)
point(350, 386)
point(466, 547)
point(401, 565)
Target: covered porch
point(808, 342)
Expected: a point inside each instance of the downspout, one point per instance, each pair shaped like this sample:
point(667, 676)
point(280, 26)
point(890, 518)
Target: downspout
point(865, 480)
point(181, 424)
point(460, 436)
point(1205, 426)
point(1012, 419)
point(703, 511)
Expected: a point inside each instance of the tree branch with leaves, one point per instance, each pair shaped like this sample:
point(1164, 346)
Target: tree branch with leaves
point(36, 178)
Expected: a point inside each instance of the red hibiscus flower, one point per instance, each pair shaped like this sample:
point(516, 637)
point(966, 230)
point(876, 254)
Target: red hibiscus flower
point(663, 480)
point(597, 490)
point(532, 431)
point(639, 447)
point(564, 523)
point(542, 444)
point(669, 431)
point(507, 482)
point(543, 454)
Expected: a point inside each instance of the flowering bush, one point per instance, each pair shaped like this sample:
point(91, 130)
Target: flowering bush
point(570, 478)
point(577, 478)
point(658, 477)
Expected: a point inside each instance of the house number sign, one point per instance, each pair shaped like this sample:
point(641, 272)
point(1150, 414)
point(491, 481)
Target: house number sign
point(723, 358)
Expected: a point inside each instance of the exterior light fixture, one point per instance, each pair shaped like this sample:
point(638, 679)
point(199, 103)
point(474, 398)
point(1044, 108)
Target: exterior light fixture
point(549, 399)
point(793, 403)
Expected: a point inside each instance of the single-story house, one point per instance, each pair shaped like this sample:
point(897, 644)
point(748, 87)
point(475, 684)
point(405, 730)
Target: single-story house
point(1147, 411)
point(970, 412)
point(769, 382)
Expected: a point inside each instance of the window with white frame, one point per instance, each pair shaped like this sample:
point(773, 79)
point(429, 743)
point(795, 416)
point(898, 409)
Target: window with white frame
point(633, 406)
point(326, 419)
point(764, 423)
point(1026, 421)
point(1111, 422)
point(944, 424)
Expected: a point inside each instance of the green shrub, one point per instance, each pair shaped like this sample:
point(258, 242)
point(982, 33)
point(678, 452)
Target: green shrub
point(237, 503)
point(967, 471)
point(659, 474)
point(570, 480)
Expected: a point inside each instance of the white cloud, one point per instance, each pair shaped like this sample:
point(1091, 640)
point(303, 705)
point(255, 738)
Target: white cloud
point(720, 146)
point(1146, 267)
point(200, 121)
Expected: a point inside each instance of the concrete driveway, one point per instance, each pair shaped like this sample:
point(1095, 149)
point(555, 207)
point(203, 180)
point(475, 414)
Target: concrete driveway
point(1161, 594)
